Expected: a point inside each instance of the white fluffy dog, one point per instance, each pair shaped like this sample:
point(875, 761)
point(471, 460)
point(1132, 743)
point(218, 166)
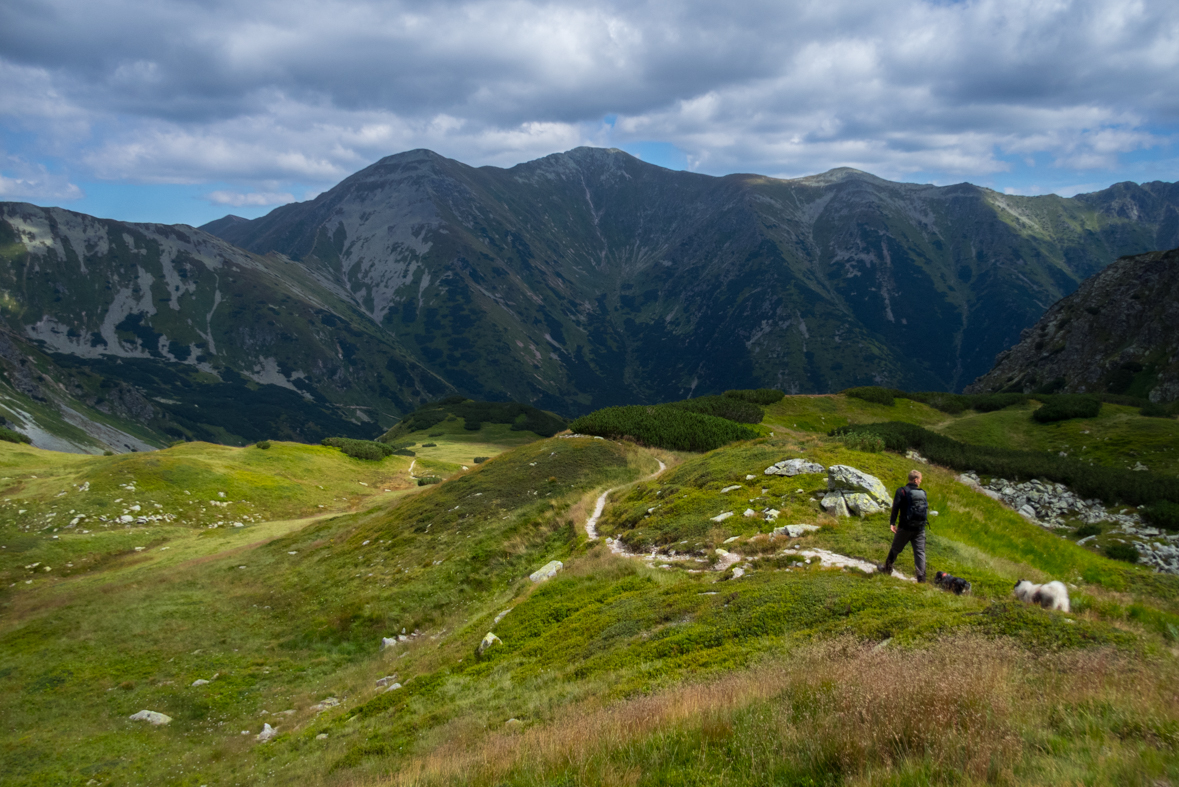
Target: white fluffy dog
point(1053, 595)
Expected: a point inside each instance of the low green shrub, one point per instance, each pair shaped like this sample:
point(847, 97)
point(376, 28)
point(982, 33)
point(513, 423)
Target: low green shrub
point(989, 403)
point(1163, 514)
point(364, 449)
point(1062, 407)
point(874, 394)
point(862, 441)
point(13, 436)
point(436, 434)
point(263, 444)
point(481, 459)
point(1126, 552)
point(522, 417)
point(429, 445)
point(663, 426)
point(428, 480)
point(1154, 410)
point(727, 407)
point(762, 396)
point(1091, 529)
point(1110, 484)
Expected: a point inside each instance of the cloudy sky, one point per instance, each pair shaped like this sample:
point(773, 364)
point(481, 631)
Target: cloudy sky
point(184, 110)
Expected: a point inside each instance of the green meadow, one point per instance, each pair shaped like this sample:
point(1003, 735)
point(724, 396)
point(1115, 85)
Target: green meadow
point(627, 669)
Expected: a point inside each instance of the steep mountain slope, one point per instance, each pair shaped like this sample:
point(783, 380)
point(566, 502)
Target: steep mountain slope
point(590, 278)
point(1118, 333)
point(170, 332)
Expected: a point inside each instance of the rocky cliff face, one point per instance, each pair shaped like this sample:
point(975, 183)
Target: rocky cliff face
point(590, 278)
point(1118, 333)
point(183, 335)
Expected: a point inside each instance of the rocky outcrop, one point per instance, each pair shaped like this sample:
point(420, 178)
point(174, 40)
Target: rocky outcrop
point(547, 571)
point(853, 491)
point(1118, 333)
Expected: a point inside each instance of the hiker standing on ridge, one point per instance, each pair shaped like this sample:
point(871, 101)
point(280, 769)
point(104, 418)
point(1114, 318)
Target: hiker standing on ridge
point(911, 507)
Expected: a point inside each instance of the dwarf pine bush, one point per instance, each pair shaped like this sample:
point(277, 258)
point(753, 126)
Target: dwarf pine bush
point(663, 426)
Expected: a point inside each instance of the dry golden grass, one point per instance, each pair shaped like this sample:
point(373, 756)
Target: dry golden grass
point(981, 710)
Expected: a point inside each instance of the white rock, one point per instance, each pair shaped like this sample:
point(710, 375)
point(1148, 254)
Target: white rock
point(749, 512)
point(200, 682)
point(488, 640)
point(323, 705)
point(321, 736)
point(750, 477)
point(385, 681)
point(547, 571)
point(501, 615)
point(794, 531)
point(772, 513)
point(393, 686)
point(728, 489)
point(731, 539)
point(267, 733)
point(722, 517)
point(151, 717)
point(793, 467)
point(388, 642)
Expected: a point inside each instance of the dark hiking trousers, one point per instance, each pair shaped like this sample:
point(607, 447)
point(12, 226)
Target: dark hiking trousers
point(905, 536)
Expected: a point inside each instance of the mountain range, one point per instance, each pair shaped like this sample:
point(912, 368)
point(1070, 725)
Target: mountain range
point(579, 280)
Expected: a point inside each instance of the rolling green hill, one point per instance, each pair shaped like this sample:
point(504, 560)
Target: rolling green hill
point(669, 667)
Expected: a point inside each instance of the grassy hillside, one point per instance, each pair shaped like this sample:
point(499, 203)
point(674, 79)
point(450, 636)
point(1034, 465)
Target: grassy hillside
point(658, 669)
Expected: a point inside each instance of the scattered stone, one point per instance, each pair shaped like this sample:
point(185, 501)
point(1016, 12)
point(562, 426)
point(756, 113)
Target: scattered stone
point(151, 717)
point(488, 640)
point(323, 705)
point(749, 512)
point(388, 642)
point(385, 681)
point(731, 539)
point(514, 724)
point(501, 615)
point(793, 467)
point(750, 477)
point(393, 687)
point(916, 457)
point(200, 682)
point(728, 489)
point(267, 733)
point(722, 517)
point(321, 736)
point(547, 571)
point(772, 513)
point(794, 531)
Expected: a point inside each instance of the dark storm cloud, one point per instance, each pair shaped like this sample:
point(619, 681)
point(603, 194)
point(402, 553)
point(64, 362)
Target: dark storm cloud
point(267, 91)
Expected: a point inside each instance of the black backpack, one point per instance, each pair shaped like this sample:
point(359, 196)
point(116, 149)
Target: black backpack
point(917, 513)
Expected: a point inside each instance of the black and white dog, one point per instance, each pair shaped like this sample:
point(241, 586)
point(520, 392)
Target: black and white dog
point(955, 585)
point(1053, 595)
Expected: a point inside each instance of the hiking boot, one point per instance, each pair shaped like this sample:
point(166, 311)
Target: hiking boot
point(884, 568)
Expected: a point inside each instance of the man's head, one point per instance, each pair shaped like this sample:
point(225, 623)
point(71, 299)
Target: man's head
point(915, 477)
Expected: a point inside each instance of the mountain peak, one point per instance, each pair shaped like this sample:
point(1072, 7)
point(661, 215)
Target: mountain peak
point(839, 175)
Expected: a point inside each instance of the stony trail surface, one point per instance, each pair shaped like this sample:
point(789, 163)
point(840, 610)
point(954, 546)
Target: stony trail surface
point(727, 559)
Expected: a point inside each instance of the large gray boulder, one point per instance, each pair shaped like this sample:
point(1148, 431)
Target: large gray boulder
point(862, 504)
point(849, 479)
point(793, 467)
